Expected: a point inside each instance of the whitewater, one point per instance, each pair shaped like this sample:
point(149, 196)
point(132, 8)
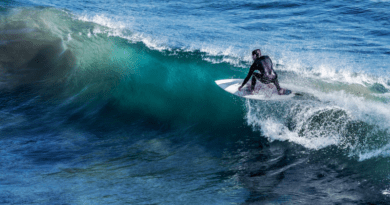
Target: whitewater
point(115, 102)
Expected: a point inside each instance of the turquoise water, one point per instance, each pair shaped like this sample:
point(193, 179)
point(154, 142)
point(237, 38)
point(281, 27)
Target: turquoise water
point(115, 102)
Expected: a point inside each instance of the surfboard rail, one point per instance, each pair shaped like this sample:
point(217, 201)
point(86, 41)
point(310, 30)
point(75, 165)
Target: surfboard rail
point(261, 92)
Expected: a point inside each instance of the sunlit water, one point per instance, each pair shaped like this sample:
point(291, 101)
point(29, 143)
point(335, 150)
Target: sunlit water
point(115, 102)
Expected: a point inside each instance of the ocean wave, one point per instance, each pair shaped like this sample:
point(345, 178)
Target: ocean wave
point(326, 68)
point(101, 59)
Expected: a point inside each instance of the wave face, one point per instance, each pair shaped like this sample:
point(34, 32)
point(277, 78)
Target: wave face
point(91, 65)
point(95, 100)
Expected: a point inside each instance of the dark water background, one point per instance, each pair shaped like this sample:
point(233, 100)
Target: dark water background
point(115, 102)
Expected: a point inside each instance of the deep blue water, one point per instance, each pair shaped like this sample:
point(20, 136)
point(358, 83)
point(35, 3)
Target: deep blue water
point(114, 102)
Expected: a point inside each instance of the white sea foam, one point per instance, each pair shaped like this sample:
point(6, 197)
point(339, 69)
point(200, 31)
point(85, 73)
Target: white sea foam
point(341, 108)
point(102, 20)
point(273, 126)
point(326, 68)
point(119, 29)
point(386, 192)
point(369, 111)
point(384, 152)
point(275, 130)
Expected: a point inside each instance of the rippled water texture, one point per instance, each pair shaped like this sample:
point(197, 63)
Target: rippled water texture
point(114, 102)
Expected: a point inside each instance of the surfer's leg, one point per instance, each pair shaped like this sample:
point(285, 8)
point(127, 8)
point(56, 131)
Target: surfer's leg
point(254, 77)
point(281, 91)
point(276, 82)
point(253, 83)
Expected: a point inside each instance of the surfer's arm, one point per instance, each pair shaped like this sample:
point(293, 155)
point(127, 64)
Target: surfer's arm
point(251, 70)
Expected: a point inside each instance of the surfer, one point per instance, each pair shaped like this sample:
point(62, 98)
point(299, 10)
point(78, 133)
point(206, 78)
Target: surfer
point(267, 74)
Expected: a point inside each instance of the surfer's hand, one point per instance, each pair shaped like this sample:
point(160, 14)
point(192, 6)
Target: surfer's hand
point(239, 88)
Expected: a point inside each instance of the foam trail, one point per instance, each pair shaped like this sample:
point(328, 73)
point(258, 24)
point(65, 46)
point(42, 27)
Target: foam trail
point(384, 152)
point(360, 108)
point(274, 130)
point(354, 124)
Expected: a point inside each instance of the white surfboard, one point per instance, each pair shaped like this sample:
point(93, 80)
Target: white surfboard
point(261, 91)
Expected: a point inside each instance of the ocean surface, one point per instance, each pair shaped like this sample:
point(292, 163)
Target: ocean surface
point(114, 102)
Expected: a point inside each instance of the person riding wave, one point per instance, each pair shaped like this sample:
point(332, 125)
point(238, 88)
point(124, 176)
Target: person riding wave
point(267, 74)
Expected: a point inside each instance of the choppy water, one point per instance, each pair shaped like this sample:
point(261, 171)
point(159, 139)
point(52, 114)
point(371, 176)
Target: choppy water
point(115, 102)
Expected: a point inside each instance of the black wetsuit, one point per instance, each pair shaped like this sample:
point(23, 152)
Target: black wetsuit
point(266, 75)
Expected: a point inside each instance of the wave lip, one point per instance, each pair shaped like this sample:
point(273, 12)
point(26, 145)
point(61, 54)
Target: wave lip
point(322, 66)
point(120, 29)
